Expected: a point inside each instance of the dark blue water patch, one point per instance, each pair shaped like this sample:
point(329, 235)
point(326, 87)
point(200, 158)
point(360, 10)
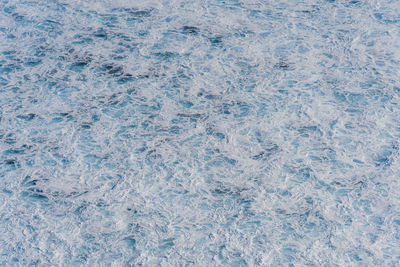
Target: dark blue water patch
point(35, 195)
point(62, 116)
point(266, 153)
point(134, 13)
point(230, 257)
point(17, 151)
point(130, 242)
point(386, 155)
point(112, 69)
point(7, 68)
point(192, 30)
point(354, 99)
point(216, 41)
point(239, 109)
point(209, 96)
point(50, 26)
point(10, 138)
point(148, 108)
point(152, 157)
point(174, 130)
point(117, 71)
point(305, 173)
point(43, 50)
point(354, 3)
point(9, 9)
point(386, 20)
point(289, 254)
point(86, 126)
point(100, 33)
point(9, 55)
point(211, 131)
point(11, 162)
point(27, 117)
point(356, 257)
point(29, 181)
point(166, 243)
point(93, 159)
point(377, 220)
point(110, 21)
point(9, 165)
point(20, 18)
point(239, 263)
point(323, 154)
point(82, 39)
point(219, 161)
point(225, 190)
point(166, 56)
point(186, 103)
point(307, 131)
point(192, 116)
point(78, 66)
point(245, 33)
point(283, 65)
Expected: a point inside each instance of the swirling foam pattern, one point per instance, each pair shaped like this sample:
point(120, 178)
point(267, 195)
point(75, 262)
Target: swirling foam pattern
point(200, 133)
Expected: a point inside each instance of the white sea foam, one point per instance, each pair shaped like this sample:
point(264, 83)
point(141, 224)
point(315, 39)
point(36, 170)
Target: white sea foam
point(228, 133)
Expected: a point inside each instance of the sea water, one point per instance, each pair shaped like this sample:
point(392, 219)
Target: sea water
point(200, 133)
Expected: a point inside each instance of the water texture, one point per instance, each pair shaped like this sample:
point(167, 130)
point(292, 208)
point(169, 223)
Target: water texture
point(200, 133)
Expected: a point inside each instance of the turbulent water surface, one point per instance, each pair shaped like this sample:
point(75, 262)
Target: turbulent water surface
point(200, 133)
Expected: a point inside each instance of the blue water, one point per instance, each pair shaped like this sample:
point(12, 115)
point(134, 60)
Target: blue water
point(200, 133)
